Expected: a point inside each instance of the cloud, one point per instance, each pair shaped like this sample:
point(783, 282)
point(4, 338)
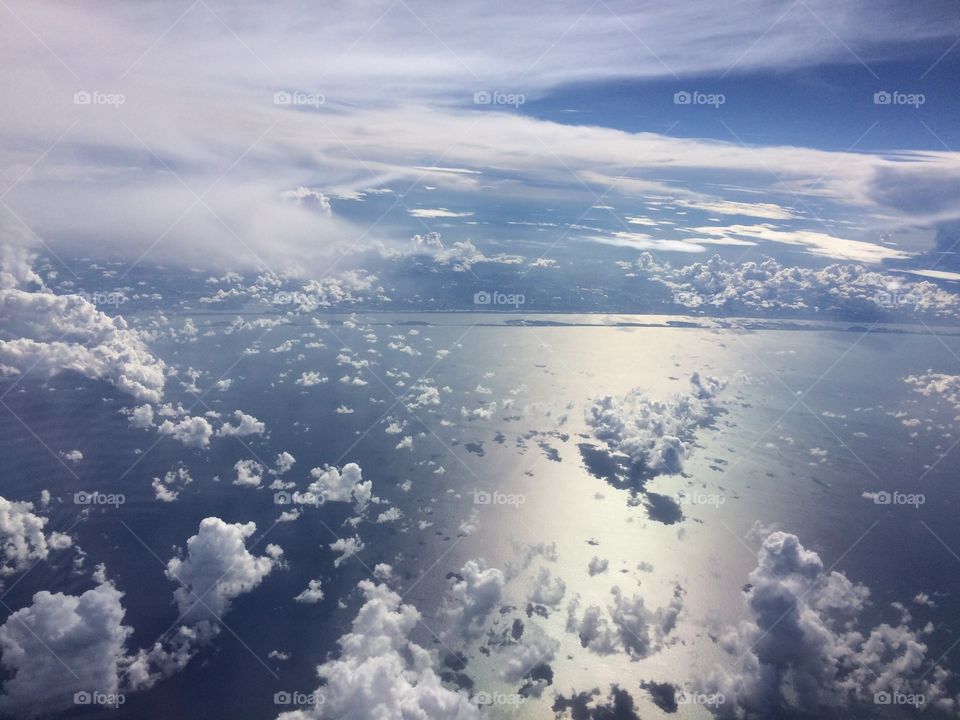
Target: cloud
point(141, 416)
point(527, 656)
point(596, 566)
point(310, 378)
point(619, 705)
point(217, 569)
point(818, 242)
point(191, 431)
point(163, 175)
point(475, 592)
point(249, 473)
point(23, 539)
point(655, 433)
point(729, 207)
point(311, 594)
point(546, 590)
point(165, 488)
point(381, 673)
point(626, 625)
point(347, 547)
point(804, 646)
point(330, 484)
point(768, 285)
point(284, 462)
point(62, 644)
point(246, 425)
point(461, 256)
point(432, 213)
point(640, 241)
point(937, 385)
point(56, 333)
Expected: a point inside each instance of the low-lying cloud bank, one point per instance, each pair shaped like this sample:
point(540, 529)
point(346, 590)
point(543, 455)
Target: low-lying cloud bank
point(769, 285)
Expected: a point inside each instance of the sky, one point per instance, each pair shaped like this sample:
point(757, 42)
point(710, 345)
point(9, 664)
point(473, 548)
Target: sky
point(204, 120)
point(415, 359)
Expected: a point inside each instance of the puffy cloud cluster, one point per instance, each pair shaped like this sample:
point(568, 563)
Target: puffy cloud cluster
point(802, 648)
point(192, 431)
point(333, 485)
point(475, 592)
point(313, 593)
point(347, 547)
point(527, 657)
point(350, 286)
point(938, 385)
point(23, 539)
point(167, 489)
point(627, 625)
point(461, 256)
point(62, 644)
point(546, 589)
point(249, 473)
point(246, 425)
point(381, 673)
point(49, 334)
point(59, 645)
point(768, 285)
point(655, 433)
point(217, 568)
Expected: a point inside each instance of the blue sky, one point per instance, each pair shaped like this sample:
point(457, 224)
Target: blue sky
point(206, 133)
